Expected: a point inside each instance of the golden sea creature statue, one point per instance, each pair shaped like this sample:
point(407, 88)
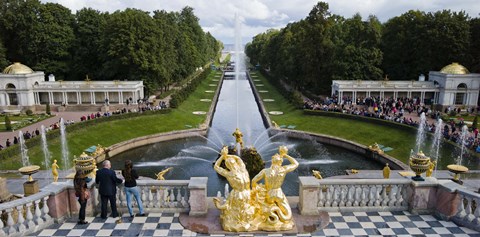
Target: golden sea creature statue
point(238, 137)
point(55, 168)
point(162, 173)
point(386, 171)
point(271, 203)
point(237, 213)
point(317, 174)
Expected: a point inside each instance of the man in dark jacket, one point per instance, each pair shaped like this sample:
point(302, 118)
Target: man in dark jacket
point(107, 180)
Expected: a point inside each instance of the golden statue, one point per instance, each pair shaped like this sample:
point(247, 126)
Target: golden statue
point(271, 204)
point(55, 171)
point(376, 148)
point(237, 211)
point(317, 174)
point(238, 137)
point(275, 125)
point(354, 171)
point(430, 169)
point(162, 173)
point(386, 171)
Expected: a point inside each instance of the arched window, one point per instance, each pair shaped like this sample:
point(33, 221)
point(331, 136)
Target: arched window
point(460, 95)
point(12, 94)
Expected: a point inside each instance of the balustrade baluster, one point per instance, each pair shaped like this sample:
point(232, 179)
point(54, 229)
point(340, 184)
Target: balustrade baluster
point(29, 215)
point(477, 212)
point(357, 196)
point(20, 220)
point(45, 210)
point(166, 197)
point(350, 194)
point(363, 201)
point(321, 198)
point(401, 189)
point(343, 195)
point(160, 199)
point(2, 232)
point(172, 197)
point(335, 196)
point(97, 197)
point(150, 197)
point(391, 196)
point(371, 195)
point(185, 197)
point(10, 222)
point(468, 210)
point(461, 209)
point(377, 195)
point(179, 197)
point(328, 203)
point(38, 213)
point(384, 195)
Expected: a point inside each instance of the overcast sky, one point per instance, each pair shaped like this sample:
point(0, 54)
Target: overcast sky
point(217, 16)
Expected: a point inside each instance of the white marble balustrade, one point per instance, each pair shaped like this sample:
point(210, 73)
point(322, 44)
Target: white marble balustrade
point(353, 194)
point(468, 209)
point(157, 196)
point(27, 215)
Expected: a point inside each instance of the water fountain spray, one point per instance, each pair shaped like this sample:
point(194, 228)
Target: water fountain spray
point(23, 149)
point(63, 141)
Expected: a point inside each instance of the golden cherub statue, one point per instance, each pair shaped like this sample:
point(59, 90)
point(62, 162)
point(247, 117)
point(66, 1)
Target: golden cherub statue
point(317, 174)
point(55, 168)
point(162, 173)
point(238, 137)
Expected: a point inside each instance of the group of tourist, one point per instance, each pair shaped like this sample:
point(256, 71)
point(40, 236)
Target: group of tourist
point(395, 110)
point(107, 181)
point(142, 108)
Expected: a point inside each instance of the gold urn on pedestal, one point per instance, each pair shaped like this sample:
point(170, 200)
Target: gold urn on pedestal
point(31, 186)
point(419, 163)
point(86, 164)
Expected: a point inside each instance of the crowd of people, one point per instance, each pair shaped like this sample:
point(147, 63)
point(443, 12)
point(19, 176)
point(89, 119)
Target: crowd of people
point(143, 107)
point(392, 109)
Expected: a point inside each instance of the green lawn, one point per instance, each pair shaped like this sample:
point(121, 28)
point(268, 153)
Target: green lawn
point(361, 132)
point(114, 132)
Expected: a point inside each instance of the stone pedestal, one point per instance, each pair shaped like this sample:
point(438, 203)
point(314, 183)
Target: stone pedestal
point(198, 196)
point(308, 196)
point(423, 197)
point(4, 194)
point(30, 187)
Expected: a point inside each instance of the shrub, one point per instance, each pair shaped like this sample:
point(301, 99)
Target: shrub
point(29, 112)
point(8, 123)
point(453, 113)
point(475, 122)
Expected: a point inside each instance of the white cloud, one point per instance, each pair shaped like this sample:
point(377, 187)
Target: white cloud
point(217, 16)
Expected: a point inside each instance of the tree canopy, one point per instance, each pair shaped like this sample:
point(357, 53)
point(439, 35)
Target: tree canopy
point(158, 48)
point(312, 52)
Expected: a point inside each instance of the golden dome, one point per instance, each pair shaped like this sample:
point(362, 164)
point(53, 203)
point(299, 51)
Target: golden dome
point(454, 68)
point(17, 68)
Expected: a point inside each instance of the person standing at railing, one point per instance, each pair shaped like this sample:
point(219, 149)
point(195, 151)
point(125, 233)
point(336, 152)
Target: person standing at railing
point(80, 185)
point(107, 187)
point(131, 188)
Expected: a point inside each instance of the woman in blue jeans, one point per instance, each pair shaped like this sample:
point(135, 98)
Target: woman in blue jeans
point(131, 188)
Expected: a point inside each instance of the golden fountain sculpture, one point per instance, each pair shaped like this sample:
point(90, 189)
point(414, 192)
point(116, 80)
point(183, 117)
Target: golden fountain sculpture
point(457, 170)
point(419, 163)
point(376, 148)
point(265, 206)
point(29, 170)
point(162, 173)
point(86, 164)
point(238, 137)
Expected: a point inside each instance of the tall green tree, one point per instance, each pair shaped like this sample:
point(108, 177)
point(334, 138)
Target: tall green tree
point(3, 55)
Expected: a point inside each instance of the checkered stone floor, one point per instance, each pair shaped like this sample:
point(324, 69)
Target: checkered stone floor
point(341, 224)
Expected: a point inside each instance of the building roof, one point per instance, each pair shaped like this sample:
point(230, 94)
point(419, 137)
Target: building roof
point(17, 68)
point(454, 68)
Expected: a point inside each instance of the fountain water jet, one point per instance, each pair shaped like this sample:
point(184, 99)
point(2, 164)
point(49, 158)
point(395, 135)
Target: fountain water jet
point(23, 149)
point(46, 152)
point(421, 132)
point(63, 141)
point(437, 143)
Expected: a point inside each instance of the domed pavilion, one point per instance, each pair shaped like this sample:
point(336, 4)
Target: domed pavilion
point(452, 86)
point(22, 88)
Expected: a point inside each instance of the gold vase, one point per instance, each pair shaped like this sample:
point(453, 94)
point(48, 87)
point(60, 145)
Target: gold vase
point(419, 163)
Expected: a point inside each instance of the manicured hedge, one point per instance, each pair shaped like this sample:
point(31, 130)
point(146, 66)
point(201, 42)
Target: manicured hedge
point(181, 95)
point(293, 96)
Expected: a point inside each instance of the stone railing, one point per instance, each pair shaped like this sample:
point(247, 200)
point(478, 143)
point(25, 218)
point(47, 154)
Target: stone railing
point(165, 196)
point(353, 195)
point(24, 216)
point(468, 209)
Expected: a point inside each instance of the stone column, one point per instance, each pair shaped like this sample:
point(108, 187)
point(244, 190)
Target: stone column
point(79, 97)
point(198, 196)
point(447, 199)
point(308, 192)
